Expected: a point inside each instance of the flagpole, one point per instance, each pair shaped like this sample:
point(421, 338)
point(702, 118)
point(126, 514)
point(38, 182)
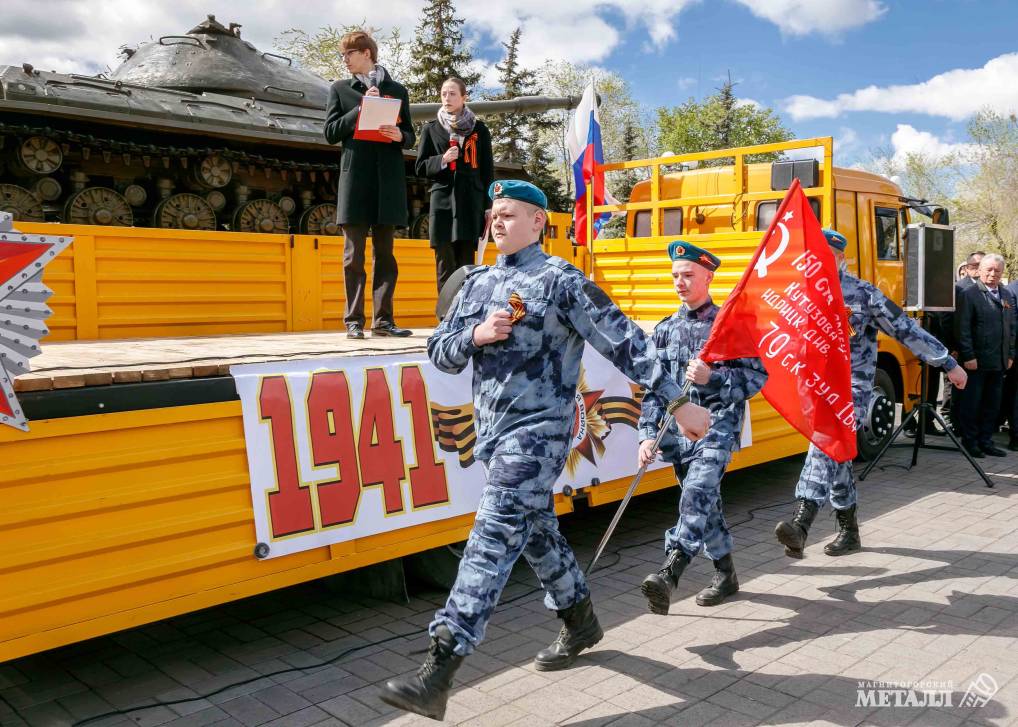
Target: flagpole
point(589, 222)
point(669, 418)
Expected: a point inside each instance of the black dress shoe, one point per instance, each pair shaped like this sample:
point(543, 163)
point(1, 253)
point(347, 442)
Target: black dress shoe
point(994, 451)
point(355, 330)
point(974, 451)
point(391, 329)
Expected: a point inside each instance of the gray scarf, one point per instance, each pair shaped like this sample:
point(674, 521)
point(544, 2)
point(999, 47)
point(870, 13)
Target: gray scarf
point(461, 125)
point(373, 78)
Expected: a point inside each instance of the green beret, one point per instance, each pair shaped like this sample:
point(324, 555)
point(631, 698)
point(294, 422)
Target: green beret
point(836, 240)
point(682, 250)
point(518, 189)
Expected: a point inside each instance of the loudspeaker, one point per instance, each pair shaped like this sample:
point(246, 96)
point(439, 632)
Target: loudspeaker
point(929, 267)
point(807, 171)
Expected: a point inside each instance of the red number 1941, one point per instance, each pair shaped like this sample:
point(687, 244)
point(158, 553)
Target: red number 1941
point(365, 452)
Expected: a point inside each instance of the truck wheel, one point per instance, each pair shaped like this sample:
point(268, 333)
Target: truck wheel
point(874, 433)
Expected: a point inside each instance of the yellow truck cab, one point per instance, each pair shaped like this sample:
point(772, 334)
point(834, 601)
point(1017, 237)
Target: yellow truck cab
point(726, 208)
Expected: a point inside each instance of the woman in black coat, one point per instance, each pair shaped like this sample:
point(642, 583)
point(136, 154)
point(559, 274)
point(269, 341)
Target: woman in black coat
point(455, 154)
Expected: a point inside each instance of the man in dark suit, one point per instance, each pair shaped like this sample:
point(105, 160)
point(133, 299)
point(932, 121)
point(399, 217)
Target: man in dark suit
point(968, 274)
point(371, 197)
point(1009, 403)
point(971, 270)
point(985, 332)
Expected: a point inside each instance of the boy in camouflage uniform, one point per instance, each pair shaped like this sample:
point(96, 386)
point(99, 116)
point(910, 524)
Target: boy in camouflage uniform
point(700, 465)
point(869, 312)
point(522, 323)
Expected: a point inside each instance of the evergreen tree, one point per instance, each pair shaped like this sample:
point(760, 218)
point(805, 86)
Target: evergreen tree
point(438, 52)
point(540, 167)
point(510, 133)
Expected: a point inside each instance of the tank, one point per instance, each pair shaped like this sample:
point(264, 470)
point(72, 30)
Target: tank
point(198, 131)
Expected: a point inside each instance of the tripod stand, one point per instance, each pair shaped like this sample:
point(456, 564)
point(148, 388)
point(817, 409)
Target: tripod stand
point(921, 413)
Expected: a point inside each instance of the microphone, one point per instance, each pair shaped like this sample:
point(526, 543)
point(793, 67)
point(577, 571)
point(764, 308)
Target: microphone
point(454, 141)
point(373, 78)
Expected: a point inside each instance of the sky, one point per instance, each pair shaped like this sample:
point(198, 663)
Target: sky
point(881, 76)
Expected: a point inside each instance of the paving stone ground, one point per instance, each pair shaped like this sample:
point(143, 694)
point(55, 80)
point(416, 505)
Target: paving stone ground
point(932, 598)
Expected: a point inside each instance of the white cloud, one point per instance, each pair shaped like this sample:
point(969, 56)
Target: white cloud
point(906, 140)
point(685, 82)
point(825, 17)
point(61, 34)
point(752, 103)
point(956, 94)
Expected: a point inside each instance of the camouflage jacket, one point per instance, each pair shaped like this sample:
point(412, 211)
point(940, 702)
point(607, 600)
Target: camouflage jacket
point(524, 387)
point(679, 339)
point(870, 311)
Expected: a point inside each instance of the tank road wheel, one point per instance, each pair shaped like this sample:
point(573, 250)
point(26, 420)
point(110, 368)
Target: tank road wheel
point(98, 206)
point(21, 203)
point(40, 155)
point(260, 215)
point(319, 220)
point(214, 172)
point(420, 227)
point(184, 212)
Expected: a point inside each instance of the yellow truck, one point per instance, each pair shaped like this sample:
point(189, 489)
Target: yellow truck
point(129, 499)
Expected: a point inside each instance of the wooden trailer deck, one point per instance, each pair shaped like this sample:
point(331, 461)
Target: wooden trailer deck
point(77, 364)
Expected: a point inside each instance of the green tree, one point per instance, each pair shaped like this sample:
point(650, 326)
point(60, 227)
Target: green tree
point(720, 121)
point(438, 52)
point(320, 53)
point(987, 199)
point(617, 109)
point(511, 133)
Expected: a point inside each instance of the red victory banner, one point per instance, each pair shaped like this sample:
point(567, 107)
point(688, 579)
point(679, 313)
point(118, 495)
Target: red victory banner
point(788, 311)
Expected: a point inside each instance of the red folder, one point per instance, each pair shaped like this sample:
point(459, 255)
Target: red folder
point(368, 134)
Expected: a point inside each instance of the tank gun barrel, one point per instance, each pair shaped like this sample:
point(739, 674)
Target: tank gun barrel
point(518, 105)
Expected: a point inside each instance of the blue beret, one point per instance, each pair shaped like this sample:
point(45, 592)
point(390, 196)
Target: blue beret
point(681, 250)
point(518, 189)
point(836, 240)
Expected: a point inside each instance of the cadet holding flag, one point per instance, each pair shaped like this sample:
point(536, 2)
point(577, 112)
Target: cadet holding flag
point(823, 478)
point(723, 389)
point(522, 323)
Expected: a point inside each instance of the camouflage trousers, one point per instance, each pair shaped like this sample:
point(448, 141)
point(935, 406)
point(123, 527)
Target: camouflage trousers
point(516, 516)
point(701, 527)
point(823, 478)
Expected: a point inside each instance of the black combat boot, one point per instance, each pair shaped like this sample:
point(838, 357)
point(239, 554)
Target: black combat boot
point(658, 587)
point(724, 584)
point(793, 534)
point(580, 630)
point(427, 691)
point(847, 539)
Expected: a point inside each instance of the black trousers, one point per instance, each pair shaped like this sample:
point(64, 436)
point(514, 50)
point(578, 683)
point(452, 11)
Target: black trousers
point(450, 257)
point(980, 404)
point(383, 285)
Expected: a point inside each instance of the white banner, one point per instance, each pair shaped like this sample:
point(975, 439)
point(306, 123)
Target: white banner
point(343, 448)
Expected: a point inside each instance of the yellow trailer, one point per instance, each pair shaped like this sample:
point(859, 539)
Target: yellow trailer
point(129, 499)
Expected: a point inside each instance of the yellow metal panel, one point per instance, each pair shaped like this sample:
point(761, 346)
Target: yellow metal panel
point(86, 306)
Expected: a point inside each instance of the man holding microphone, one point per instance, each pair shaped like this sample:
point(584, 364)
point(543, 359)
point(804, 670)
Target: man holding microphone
point(371, 198)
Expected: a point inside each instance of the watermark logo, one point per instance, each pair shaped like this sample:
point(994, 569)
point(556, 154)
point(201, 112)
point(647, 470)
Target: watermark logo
point(980, 691)
point(924, 693)
point(904, 694)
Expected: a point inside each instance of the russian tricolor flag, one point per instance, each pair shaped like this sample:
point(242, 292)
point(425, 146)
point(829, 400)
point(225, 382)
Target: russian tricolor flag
point(583, 137)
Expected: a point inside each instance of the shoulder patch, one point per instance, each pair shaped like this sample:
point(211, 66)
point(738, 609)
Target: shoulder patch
point(561, 263)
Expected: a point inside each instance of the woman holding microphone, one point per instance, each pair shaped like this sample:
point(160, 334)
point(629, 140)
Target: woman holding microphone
point(455, 155)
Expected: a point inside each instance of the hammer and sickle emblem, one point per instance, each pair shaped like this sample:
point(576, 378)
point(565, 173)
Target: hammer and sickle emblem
point(766, 260)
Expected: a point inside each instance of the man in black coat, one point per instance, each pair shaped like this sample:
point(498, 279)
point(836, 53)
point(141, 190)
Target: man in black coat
point(372, 184)
point(985, 332)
